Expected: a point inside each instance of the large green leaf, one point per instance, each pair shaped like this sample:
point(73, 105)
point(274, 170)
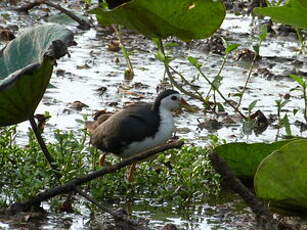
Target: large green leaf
point(282, 177)
point(244, 158)
point(185, 19)
point(25, 69)
point(292, 13)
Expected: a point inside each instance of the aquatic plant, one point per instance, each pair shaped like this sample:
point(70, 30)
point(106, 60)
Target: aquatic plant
point(25, 171)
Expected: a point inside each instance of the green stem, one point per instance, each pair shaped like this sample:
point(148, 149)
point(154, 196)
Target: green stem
point(43, 146)
point(248, 78)
point(174, 83)
point(221, 95)
point(187, 83)
point(123, 48)
point(301, 39)
point(305, 100)
point(219, 73)
point(170, 76)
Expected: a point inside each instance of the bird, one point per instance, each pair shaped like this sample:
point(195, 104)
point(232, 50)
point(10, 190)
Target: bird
point(137, 127)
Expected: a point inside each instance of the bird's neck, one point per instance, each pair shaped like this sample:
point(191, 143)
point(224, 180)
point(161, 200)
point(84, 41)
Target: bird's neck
point(156, 106)
point(165, 113)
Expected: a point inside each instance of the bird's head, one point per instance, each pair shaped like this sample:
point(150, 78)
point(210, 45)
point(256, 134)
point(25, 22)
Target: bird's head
point(169, 99)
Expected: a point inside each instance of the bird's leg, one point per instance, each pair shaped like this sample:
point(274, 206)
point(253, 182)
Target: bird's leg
point(131, 172)
point(102, 159)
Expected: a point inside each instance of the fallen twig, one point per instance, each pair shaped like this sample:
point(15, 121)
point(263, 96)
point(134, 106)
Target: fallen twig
point(25, 8)
point(82, 23)
point(74, 183)
point(120, 216)
point(263, 215)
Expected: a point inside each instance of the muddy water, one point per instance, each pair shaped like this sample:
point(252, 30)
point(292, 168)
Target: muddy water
point(94, 76)
point(93, 66)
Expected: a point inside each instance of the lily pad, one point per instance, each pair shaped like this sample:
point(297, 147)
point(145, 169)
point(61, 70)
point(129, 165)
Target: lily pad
point(185, 19)
point(292, 13)
point(282, 177)
point(26, 66)
point(244, 158)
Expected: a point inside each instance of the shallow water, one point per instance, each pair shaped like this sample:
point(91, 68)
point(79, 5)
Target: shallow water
point(92, 66)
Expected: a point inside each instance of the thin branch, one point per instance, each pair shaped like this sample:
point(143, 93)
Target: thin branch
point(25, 8)
point(83, 25)
point(264, 216)
point(72, 184)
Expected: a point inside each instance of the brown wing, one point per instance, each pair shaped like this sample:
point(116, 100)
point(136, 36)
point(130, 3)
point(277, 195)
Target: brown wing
point(128, 125)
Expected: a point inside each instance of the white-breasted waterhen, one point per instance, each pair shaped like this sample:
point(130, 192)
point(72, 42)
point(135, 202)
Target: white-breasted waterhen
point(137, 127)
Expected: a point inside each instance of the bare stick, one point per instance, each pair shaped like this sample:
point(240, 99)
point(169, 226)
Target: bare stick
point(25, 8)
point(82, 23)
point(72, 184)
point(29, 6)
point(264, 216)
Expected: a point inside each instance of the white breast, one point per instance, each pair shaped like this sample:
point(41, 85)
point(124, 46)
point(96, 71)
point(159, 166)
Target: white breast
point(164, 133)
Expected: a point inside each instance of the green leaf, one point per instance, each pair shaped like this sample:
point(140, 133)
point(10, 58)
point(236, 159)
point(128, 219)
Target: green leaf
point(231, 47)
point(263, 32)
point(220, 107)
point(244, 158)
point(292, 13)
point(26, 66)
point(171, 44)
point(281, 103)
point(160, 56)
point(286, 124)
point(256, 48)
point(194, 62)
point(298, 79)
point(248, 126)
point(282, 177)
point(252, 105)
point(216, 83)
point(284, 103)
point(185, 19)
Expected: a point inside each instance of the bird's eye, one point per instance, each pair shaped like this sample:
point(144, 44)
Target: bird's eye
point(174, 98)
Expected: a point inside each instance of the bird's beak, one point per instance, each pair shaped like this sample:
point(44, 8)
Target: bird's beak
point(187, 106)
point(184, 102)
